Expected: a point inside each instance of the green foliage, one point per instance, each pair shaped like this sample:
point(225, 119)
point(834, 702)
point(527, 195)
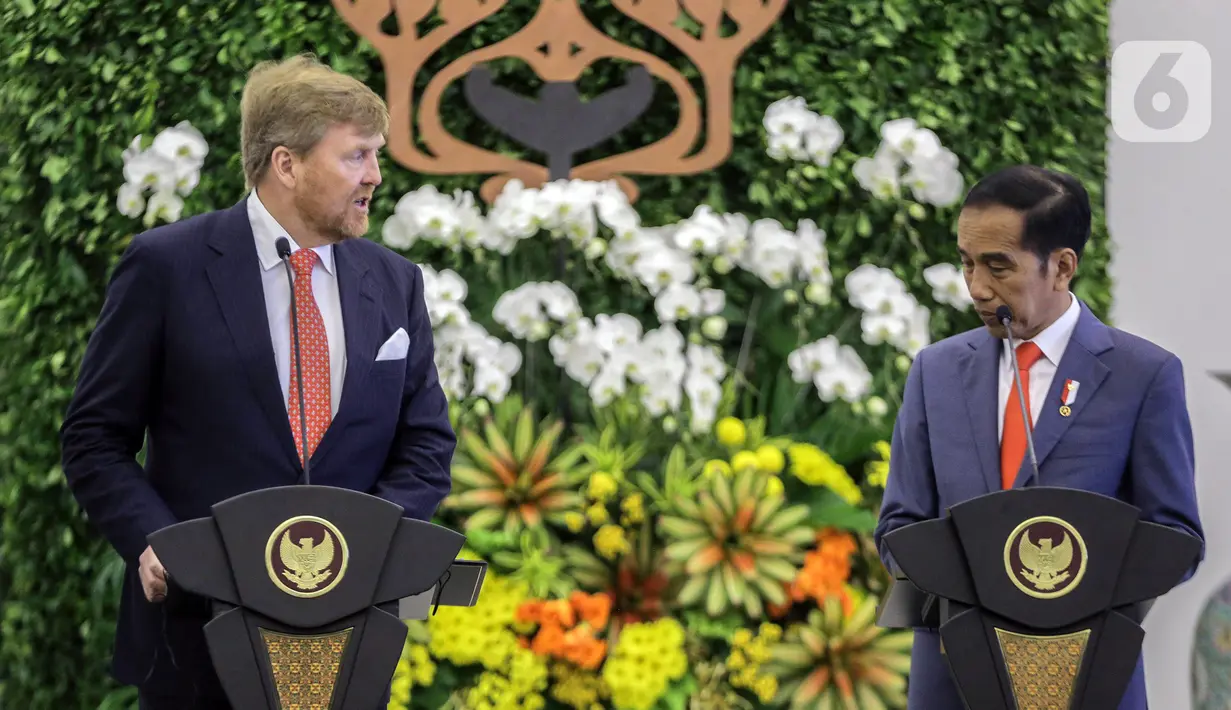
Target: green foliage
point(1000, 82)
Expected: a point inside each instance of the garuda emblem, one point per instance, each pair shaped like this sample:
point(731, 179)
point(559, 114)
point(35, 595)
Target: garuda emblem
point(306, 556)
point(1045, 557)
point(1046, 566)
point(307, 564)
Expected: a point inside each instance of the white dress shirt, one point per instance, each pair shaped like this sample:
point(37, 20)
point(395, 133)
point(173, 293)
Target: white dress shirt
point(266, 230)
point(1052, 341)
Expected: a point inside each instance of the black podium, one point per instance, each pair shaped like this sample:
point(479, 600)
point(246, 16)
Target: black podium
point(1038, 594)
point(304, 585)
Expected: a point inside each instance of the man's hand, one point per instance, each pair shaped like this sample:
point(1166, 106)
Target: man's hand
point(153, 576)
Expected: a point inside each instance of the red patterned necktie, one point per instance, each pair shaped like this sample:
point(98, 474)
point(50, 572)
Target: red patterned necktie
point(314, 351)
point(1013, 439)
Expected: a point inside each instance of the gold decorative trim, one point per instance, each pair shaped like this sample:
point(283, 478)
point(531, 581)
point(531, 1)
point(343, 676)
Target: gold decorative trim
point(1045, 557)
point(305, 668)
point(1043, 670)
point(306, 556)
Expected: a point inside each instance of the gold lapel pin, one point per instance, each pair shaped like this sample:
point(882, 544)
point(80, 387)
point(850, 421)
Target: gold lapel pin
point(1068, 396)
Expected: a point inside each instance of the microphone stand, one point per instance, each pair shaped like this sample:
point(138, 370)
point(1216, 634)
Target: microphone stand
point(1005, 319)
point(284, 253)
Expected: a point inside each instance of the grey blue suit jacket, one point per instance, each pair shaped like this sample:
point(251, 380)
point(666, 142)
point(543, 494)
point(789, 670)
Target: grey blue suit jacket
point(1128, 437)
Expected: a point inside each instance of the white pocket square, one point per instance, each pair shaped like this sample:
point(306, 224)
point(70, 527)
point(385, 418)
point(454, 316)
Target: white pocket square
point(395, 347)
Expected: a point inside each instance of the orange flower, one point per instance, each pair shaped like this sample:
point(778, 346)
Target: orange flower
point(530, 611)
point(562, 634)
point(825, 572)
point(582, 648)
point(549, 638)
point(595, 609)
point(577, 645)
point(559, 611)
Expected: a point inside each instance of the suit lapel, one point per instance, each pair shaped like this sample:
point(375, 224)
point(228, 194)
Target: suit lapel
point(980, 370)
point(235, 276)
point(360, 323)
point(1080, 362)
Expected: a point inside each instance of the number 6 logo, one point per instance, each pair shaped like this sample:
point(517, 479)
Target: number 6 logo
point(1160, 92)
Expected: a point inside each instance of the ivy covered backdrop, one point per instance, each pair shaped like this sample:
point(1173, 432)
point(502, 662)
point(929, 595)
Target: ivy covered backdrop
point(672, 446)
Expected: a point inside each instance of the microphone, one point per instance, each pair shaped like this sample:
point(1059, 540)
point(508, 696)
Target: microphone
point(1005, 316)
point(284, 253)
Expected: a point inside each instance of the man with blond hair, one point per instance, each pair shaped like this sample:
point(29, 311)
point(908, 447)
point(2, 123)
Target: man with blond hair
point(193, 348)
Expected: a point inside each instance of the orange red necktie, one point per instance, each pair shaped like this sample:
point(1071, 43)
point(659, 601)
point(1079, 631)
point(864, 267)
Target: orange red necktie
point(1013, 440)
point(314, 351)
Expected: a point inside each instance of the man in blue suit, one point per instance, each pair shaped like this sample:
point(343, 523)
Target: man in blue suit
point(960, 432)
point(194, 346)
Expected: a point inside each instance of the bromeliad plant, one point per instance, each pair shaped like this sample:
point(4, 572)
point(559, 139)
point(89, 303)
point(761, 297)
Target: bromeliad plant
point(737, 544)
point(509, 476)
point(839, 660)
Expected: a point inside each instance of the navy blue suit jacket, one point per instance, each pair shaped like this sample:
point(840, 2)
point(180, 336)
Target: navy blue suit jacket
point(1128, 437)
point(182, 351)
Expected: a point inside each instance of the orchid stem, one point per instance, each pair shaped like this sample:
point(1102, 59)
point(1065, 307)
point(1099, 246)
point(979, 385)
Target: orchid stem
point(746, 345)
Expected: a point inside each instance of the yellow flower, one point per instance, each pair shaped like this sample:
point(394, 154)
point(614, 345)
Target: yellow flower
point(518, 683)
point(745, 460)
point(634, 510)
point(773, 487)
point(770, 459)
point(575, 521)
point(602, 486)
point(848, 491)
point(765, 687)
point(399, 697)
point(748, 652)
point(816, 468)
point(577, 688)
point(716, 466)
point(731, 432)
point(597, 514)
point(417, 666)
point(736, 661)
point(877, 472)
point(610, 542)
point(481, 634)
point(770, 631)
point(745, 678)
point(646, 658)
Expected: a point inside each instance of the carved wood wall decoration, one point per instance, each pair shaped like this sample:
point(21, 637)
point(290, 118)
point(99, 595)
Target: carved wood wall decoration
point(558, 44)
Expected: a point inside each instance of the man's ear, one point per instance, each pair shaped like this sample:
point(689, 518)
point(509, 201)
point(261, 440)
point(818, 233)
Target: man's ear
point(284, 165)
point(1066, 268)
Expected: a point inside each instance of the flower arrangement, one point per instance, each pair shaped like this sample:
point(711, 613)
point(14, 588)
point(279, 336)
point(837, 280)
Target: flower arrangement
point(678, 538)
point(672, 438)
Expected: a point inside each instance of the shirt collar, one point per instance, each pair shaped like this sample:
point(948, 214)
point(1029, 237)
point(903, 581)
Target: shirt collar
point(266, 230)
point(1055, 338)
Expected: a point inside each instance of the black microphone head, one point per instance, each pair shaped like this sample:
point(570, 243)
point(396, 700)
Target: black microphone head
point(283, 245)
point(1003, 314)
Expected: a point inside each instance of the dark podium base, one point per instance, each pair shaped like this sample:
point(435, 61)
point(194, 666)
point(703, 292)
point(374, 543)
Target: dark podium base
point(254, 652)
point(1038, 594)
point(307, 587)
